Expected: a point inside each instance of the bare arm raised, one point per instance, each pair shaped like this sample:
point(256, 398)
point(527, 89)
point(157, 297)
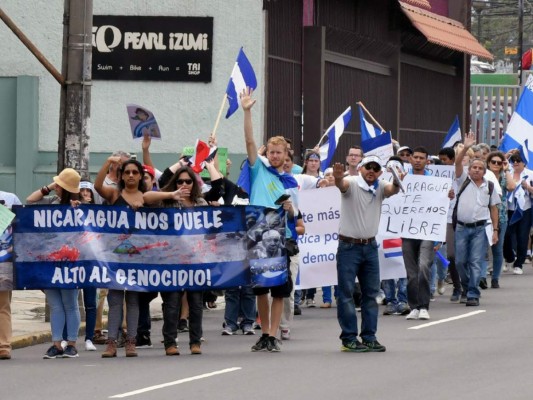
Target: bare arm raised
point(247, 103)
point(470, 140)
point(338, 174)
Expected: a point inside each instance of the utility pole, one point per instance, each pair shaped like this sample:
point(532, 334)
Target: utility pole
point(520, 38)
point(75, 107)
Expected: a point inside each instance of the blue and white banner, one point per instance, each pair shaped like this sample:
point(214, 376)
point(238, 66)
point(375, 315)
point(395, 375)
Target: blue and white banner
point(368, 131)
point(242, 76)
point(150, 249)
point(333, 134)
point(520, 128)
point(454, 134)
point(380, 146)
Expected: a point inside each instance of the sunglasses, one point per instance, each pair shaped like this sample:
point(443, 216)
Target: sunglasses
point(184, 181)
point(494, 162)
point(404, 154)
point(373, 167)
point(516, 160)
point(131, 172)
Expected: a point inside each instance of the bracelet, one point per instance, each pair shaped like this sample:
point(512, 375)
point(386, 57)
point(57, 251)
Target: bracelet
point(496, 229)
point(45, 191)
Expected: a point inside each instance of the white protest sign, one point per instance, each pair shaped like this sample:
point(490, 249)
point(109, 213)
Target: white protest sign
point(320, 209)
point(419, 213)
point(439, 171)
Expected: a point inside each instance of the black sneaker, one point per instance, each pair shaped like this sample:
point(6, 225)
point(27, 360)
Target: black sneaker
point(143, 342)
point(463, 298)
point(494, 284)
point(483, 283)
point(182, 326)
point(374, 346)
point(273, 344)
point(355, 347)
point(456, 296)
point(297, 310)
point(70, 352)
point(261, 345)
point(53, 352)
point(473, 302)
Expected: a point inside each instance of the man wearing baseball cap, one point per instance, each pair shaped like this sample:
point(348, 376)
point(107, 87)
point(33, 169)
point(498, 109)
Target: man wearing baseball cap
point(357, 254)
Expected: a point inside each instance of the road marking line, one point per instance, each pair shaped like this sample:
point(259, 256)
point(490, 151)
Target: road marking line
point(178, 382)
point(441, 321)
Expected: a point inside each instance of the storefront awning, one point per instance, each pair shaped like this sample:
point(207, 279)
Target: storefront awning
point(444, 31)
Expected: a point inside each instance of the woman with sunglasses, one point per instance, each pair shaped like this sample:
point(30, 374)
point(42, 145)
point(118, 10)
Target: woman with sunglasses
point(181, 191)
point(63, 303)
point(128, 193)
point(498, 164)
point(517, 235)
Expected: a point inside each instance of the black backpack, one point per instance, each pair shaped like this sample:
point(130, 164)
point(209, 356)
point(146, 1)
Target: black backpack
point(463, 187)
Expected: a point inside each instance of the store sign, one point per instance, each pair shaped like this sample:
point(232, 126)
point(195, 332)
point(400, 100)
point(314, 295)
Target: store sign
point(152, 48)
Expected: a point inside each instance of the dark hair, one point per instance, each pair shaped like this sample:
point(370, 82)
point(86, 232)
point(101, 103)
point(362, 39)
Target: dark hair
point(448, 152)
point(196, 192)
point(396, 158)
point(307, 156)
point(122, 185)
point(420, 149)
point(90, 191)
point(291, 156)
point(493, 154)
point(67, 196)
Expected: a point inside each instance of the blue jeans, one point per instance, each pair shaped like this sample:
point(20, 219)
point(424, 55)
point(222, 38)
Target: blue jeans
point(470, 250)
point(438, 270)
point(239, 301)
point(497, 252)
point(389, 287)
point(63, 310)
point(326, 294)
point(89, 301)
point(361, 261)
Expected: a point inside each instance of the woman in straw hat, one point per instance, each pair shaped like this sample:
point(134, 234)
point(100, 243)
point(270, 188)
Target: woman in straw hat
point(128, 193)
point(63, 302)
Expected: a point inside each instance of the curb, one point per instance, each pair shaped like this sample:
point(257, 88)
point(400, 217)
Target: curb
point(32, 339)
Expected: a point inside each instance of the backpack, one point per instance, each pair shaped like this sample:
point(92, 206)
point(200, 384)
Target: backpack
point(461, 190)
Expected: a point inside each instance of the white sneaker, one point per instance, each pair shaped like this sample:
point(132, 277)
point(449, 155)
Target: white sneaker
point(310, 303)
point(517, 271)
point(380, 297)
point(414, 314)
point(285, 334)
point(64, 344)
point(89, 346)
point(423, 314)
point(441, 287)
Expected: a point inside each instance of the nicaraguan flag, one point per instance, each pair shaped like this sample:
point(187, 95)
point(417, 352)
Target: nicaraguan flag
point(368, 131)
point(380, 146)
point(518, 198)
point(392, 248)
point(520, 127)
point(202, 152)
point(242, 76)
point(454, 134)
point(334, 132)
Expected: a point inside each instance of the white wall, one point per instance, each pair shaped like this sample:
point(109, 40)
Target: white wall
point(185, 111)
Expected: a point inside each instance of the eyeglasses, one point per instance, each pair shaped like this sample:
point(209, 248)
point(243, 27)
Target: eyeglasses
point(373, 167)
point(184, 181)
point(131, 172)
point(494, 162)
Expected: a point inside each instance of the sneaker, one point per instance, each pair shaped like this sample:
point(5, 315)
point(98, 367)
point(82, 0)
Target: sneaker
point(64, 344)
point(5, 355)
point(53, 352)
point(431, 297)
point(310, 303)
point(472, 302)
point(261, 344)
point(143, 342)
point(507, 266)
point(354, 347)
point(248, 330)
point(183, 326)
point(390, 309)
point(273, 344)
point(325, 305)
point(441, 286)
point(89, 346)
point(463, 298)
point(297, 310)
point(494, 284)
point(423, 314)
point(456, 296)
point(70, 352)
point(528, 259)
point(374, 346)
point(414, 314)
point(403, 309)
point(196, 349)
point(227, 331)
point(285, 334)
point(380, 299)
point(483, 283)
point(517, 271)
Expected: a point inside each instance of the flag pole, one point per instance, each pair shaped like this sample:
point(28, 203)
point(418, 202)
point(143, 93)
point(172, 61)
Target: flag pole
point(371, 116)
point(214, 133)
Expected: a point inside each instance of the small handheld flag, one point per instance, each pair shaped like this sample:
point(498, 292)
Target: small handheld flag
point(242, 76)
point(333, 134)
point(454, 134)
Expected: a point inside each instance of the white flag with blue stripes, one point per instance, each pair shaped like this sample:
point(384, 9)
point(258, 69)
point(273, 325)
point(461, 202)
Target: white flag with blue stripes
point(520, 128)
point(368, 131)
point(242, 76)
point(454, 134)
point(333, 134)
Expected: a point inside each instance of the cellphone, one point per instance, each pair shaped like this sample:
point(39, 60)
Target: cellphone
point(282, 198)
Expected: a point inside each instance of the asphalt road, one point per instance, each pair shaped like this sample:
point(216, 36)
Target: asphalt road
point(486, 355)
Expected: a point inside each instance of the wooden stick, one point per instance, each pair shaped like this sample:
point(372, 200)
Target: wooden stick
point(371, 116)
point(214, 133)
